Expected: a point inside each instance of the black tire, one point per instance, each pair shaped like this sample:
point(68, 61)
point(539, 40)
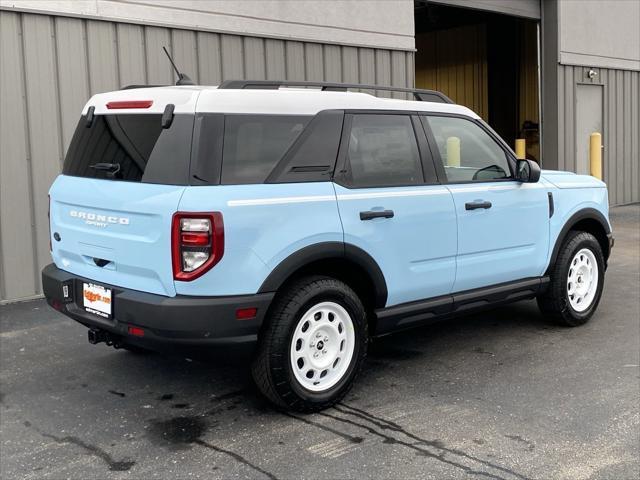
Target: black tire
point(271, 368)
point(555, 301)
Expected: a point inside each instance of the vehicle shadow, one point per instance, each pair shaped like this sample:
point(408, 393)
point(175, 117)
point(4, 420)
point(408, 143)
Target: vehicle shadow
point(519, 317)
point(448, 343)
point(228, 370)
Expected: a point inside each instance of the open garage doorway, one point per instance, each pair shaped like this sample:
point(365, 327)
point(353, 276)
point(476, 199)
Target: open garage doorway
point(486, 61)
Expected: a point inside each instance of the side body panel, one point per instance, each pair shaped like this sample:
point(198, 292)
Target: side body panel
point(508, 241)
point(564, 180)
point(572, 194)
point(416, 248)
point(264, 224)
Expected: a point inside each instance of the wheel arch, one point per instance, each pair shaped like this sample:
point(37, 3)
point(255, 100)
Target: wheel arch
point(343, 261)
point(587, 220)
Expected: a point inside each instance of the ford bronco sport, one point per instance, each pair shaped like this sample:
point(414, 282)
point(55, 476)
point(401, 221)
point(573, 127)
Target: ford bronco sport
point(307, 221)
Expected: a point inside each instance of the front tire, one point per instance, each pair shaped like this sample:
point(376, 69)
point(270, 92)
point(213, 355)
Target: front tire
point(577, 280)
point(313, 345)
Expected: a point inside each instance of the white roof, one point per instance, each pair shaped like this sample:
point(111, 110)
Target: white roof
point(290, 101)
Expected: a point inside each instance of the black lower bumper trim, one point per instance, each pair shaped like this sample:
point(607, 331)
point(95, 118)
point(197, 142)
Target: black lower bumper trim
point(186, 320)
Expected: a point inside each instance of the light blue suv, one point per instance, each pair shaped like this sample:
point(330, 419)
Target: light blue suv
point(307, 220)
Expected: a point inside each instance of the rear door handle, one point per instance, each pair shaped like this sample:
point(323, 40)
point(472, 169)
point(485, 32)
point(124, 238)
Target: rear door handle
point(476, 205)
point(371, 214)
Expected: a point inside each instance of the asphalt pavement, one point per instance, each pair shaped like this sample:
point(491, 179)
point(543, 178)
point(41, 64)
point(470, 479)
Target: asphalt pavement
point(502, 395)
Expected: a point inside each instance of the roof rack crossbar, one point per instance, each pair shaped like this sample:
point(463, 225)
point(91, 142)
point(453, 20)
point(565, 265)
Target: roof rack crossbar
point(419, 94)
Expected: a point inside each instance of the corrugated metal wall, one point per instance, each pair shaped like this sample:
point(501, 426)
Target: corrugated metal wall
point(52, 65)
point(621, 125)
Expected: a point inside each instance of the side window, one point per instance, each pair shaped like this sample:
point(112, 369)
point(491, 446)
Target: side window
point(253, 145)
point(467, 151)
point(383, 151)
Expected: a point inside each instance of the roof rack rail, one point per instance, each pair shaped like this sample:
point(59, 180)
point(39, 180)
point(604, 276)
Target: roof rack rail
point(419, 94)
point(131, 87)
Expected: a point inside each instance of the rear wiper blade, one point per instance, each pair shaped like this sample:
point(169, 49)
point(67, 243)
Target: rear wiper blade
point(105, 166)
point(110, 168)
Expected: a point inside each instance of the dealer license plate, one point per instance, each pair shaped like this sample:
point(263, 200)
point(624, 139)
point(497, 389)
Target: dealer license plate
point(97, 299)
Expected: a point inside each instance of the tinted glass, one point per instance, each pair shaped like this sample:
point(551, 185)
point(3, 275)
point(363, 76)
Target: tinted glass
point(313, 156)
point(208, 135)
point(383, 151)
point(132, 148)
point(468, 153)
point(253, 145)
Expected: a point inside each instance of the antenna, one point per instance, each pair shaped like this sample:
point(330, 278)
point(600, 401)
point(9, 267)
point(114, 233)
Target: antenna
point(183, 79)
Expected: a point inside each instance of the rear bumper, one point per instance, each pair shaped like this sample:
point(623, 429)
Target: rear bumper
point(184, 320)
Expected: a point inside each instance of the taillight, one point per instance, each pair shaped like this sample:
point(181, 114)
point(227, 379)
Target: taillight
point(49, 221)
point(197, 243)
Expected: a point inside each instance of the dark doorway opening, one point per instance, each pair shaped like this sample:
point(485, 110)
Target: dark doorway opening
point(485, 61)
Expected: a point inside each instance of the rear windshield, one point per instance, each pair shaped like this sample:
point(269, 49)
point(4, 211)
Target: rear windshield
point(133, 148)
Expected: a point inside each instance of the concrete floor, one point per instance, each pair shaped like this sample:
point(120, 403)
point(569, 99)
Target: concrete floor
point(503, 395)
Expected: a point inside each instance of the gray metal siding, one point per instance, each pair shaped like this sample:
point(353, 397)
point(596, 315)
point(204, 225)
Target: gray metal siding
point(52, 65)
point(621, 135)
point(359, 23)
point(17, 232)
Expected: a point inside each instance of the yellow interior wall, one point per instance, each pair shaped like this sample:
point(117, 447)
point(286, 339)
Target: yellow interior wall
point(454, 62)
point(529, 73)
point(528, 107)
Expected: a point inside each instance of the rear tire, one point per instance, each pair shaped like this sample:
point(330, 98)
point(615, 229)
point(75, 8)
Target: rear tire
point(577, 280)
point(313, 345)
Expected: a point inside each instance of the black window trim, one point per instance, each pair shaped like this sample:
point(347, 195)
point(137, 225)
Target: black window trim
point(431, 177)
point(341, 168)
point(197, 148)
point(439, 165)
point(282, 167)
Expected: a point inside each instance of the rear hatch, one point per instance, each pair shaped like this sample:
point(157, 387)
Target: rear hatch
point(124, 174)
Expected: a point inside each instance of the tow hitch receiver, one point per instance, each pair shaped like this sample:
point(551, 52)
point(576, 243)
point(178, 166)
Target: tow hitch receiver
point(96, 336)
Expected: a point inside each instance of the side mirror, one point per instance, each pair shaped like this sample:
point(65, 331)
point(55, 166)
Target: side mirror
point(527, 171)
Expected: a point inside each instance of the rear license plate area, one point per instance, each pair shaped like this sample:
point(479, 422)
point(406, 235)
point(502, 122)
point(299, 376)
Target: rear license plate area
point(97, 299)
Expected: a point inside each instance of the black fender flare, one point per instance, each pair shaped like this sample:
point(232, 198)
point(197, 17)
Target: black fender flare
point(325, 251)
point(580, 215)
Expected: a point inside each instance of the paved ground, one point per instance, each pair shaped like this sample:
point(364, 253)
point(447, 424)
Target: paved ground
point(499, 395)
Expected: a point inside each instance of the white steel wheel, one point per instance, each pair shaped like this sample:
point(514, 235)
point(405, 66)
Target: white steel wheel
point(582, 280)
point(322, 346)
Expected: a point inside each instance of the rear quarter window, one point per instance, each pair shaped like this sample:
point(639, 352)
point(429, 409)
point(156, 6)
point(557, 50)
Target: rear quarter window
point(131, 147)
point(253, 145)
